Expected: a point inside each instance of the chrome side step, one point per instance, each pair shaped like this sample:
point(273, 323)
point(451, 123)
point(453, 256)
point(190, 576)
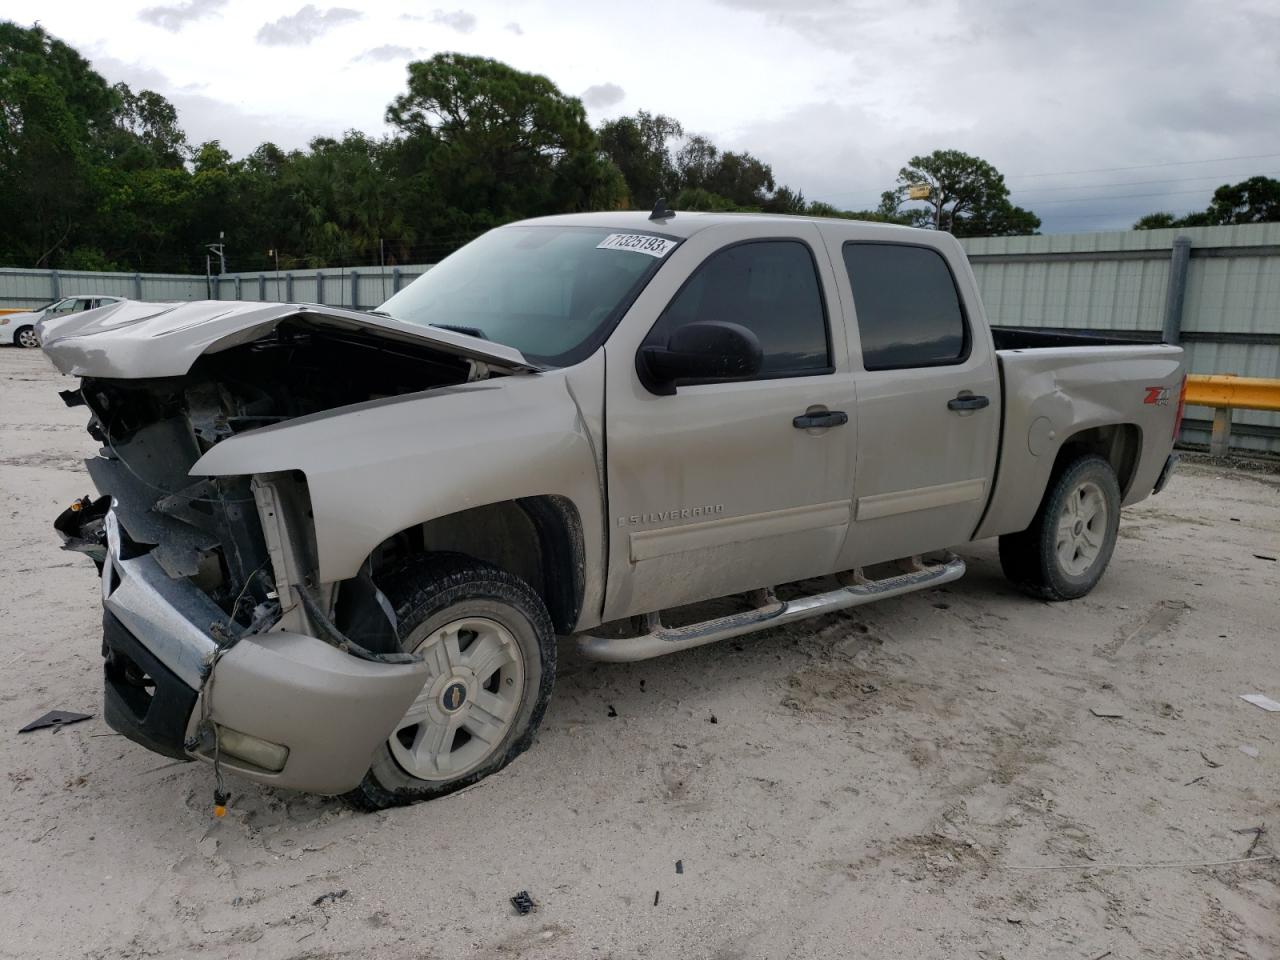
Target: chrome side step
point(769, 612)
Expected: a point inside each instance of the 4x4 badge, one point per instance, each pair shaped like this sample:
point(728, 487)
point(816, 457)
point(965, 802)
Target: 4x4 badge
point(1159, 396)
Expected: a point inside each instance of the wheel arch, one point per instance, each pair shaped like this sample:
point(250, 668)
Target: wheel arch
point(1120, 444)
point(537, 538)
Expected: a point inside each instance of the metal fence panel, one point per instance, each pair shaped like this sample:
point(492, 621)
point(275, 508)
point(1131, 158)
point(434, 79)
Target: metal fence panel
point(1120, 282)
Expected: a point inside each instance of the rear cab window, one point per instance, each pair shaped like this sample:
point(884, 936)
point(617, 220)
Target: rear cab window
point(909, 312)
point(772, 288)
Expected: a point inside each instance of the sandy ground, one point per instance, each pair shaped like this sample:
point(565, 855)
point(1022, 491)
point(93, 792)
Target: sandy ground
point(926, 777)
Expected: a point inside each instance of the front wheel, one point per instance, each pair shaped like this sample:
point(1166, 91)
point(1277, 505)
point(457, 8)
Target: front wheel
point(26, 337)
point(1065, 551)
point(491, 652)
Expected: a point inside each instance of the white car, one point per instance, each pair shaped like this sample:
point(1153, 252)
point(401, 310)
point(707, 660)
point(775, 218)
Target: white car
point(19, 329)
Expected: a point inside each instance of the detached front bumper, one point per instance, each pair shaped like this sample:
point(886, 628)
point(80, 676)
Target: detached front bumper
point(327, 709)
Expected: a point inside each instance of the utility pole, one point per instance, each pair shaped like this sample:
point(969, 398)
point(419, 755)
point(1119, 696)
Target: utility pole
point(220, 248)
point(276, 253)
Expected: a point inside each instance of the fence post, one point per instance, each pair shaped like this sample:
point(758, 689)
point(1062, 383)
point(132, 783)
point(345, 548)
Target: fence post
point(238, 295)
point(262, 287)
point(288, 287)
point(320, 286)
point(1177, 294)
point(55, 281)
point(1220, 438)
point(395, 279)
point(355, 289)
point(137, 286)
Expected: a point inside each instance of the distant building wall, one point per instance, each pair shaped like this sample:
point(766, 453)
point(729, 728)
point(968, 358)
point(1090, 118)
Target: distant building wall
point(362, 287)
point(1118, 283)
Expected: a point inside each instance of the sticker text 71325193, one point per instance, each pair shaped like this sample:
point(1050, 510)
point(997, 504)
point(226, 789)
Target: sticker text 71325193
point(637, 243)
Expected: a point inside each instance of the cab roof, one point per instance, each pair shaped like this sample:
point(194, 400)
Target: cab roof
point(685, 223)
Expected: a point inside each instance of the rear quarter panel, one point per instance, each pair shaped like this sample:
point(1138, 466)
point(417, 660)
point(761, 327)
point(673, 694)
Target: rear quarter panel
point(1053, 394)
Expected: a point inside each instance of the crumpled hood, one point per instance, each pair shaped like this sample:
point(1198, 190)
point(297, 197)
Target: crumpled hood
point(133, 340)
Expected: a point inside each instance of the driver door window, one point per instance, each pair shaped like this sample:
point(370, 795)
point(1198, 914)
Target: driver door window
point(770, 287)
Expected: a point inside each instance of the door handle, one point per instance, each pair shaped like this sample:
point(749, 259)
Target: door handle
point(967, 401)
point(828, 418)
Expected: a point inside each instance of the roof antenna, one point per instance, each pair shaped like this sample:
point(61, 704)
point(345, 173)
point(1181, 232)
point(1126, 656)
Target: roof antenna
point(661, 211)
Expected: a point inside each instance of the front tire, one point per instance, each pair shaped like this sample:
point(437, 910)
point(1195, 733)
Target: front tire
point(1065, 551)
point(491, 648)
point(26, 337)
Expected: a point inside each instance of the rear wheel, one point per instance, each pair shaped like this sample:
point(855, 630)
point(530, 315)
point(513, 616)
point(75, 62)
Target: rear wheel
point(1065, 551)
point(26, 337)
point(491, 651)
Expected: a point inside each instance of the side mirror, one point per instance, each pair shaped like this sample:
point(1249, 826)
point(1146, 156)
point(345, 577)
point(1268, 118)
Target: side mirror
point(708, 350)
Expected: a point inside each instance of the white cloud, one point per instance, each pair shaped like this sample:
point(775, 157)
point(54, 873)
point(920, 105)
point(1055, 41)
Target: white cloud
point(299, 29)
point(176, 16)
point(458, 20)
point(205, 118)
point(601, 95)
point(515, 28)
point(386, 53)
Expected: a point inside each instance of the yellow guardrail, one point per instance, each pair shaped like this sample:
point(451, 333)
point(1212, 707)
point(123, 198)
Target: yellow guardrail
point(1224, 393)
point(1225, 390)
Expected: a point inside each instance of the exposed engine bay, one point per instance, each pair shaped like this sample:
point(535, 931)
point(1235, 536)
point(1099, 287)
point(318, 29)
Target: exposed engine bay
point(210, 531)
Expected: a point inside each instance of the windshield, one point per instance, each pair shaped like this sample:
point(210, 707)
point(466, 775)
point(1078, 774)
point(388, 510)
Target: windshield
point(554, 293)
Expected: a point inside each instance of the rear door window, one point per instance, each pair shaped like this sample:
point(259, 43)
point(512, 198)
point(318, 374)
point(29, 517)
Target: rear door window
point(909, 311)
point(771, 287)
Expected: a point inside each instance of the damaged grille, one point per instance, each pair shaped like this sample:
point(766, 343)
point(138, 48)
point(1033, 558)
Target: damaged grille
point(207, 531)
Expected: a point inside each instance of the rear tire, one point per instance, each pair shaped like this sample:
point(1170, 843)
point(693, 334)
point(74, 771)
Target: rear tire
point(1065, 551)
point(492, 651)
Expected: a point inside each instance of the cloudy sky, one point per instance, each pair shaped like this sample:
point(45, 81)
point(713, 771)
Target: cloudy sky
point(1095, 110)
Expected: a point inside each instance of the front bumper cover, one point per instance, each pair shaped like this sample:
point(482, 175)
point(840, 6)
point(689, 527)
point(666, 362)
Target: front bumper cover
point(330, 709)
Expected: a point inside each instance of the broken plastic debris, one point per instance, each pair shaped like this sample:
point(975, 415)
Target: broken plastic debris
point(679, 866)
point(328, 897)
point(1249, 751)
point(1258, 700)
point(612, 712)
point(55, 718)
point(523, 902)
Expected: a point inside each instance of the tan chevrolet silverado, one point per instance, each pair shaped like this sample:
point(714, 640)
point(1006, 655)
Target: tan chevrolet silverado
point(337, 547)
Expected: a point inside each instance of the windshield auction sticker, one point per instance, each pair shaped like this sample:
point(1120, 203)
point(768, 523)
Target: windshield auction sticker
point(637, 243)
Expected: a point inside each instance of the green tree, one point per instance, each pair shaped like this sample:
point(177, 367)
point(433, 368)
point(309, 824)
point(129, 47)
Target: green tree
point(1255, 200)
point(499, 143)
point(1156, 221)
point(146, 129)
point(640, 147)
point(53, 112)
point(967, 196)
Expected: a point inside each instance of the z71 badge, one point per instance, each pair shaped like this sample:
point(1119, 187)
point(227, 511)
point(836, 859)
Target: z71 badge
point(1158, 396)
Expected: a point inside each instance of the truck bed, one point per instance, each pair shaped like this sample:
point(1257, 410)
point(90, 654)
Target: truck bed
point(1032, 338)
point(1085, 391)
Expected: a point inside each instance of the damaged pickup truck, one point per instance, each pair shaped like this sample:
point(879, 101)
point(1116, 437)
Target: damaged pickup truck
point(337, 547)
